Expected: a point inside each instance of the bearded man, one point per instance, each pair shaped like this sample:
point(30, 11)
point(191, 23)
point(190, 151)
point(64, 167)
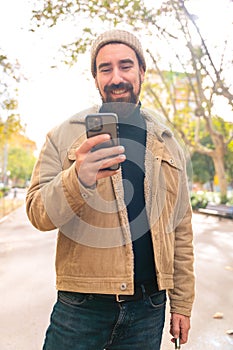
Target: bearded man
point(124, 236)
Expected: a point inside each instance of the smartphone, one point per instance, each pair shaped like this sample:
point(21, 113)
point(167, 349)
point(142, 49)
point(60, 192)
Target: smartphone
point(103, 123)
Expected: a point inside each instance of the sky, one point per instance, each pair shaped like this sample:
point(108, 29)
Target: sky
point(50, 95)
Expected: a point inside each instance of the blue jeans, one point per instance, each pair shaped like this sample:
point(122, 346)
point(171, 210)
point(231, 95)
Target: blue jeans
point(91, 322)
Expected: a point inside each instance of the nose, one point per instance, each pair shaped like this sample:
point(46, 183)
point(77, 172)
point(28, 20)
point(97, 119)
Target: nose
point(116, 76)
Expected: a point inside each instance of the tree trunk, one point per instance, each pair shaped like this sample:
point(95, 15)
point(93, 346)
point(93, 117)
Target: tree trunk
point(220, 172)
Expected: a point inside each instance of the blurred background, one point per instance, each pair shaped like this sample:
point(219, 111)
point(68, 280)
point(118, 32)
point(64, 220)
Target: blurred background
point(45, 78)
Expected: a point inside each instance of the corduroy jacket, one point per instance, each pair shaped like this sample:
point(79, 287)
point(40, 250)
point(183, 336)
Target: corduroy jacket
point(94, 248)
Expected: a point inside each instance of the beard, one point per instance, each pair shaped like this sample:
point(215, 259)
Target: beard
point(122, 106)
point(132, 98)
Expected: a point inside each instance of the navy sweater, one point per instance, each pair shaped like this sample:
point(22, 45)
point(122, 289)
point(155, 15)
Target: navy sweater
point(132, 131)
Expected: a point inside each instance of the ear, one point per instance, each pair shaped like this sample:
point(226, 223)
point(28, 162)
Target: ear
point(142, 73)
point(96, 83)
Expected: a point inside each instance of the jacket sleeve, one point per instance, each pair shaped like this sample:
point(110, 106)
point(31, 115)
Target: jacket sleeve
point(55, 195)
point(182, 295)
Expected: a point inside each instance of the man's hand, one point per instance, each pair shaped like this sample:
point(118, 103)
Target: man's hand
point(179, 327)
point(90, 165)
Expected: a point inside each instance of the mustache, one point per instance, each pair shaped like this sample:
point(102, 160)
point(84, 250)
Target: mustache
point(126, 86)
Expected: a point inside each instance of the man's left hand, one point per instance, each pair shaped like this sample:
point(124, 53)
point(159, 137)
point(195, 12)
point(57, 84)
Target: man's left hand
point(179, 327)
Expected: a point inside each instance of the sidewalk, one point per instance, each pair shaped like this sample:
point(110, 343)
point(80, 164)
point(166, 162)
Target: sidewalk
point(213, 245)
point(11, 202)
point(27, 288)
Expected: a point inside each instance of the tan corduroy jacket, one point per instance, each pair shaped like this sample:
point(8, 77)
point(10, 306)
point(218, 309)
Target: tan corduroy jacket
point(94, 248)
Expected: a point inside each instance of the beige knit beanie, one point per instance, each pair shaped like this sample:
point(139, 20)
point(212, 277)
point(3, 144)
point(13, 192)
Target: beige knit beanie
point(116, 36)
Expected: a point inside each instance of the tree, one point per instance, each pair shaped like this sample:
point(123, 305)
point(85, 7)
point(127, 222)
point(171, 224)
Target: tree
point(20, 165)
point(204, 81)
point(203, 169)
point(205, 68)
point(170, 93)
point(10, 77)
point(9, 118)
point(21, 159)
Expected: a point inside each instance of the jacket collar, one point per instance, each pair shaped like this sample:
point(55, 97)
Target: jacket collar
point(156, 124)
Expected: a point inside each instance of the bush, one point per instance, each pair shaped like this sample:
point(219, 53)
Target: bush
point(198, 200)
point(230, 201)
point(4, 191)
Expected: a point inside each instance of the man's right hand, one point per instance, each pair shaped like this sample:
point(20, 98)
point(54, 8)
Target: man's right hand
point(90, 165)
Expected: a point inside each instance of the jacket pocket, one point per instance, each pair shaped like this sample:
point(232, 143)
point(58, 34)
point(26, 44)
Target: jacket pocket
point(171, 172)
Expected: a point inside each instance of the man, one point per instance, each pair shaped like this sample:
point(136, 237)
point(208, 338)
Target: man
point(125, 236)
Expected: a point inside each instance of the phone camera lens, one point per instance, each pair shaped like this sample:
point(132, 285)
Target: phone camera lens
point(95, 124)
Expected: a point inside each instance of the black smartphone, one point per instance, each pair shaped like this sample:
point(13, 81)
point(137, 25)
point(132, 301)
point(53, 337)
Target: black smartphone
point(103, 123)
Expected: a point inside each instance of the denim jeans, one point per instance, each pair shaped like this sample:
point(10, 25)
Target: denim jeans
point(91, 322)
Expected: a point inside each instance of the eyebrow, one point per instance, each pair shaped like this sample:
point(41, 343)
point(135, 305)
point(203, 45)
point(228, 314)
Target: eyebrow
point(127, 60)
point(123, 61)
point(103, 65)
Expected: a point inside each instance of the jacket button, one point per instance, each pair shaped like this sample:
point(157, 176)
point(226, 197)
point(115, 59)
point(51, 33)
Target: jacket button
point(123, 286)
point(171, 161)
point(84, 195)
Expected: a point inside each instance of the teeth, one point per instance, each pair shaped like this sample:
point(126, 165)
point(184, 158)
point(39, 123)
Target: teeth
point(119, 92)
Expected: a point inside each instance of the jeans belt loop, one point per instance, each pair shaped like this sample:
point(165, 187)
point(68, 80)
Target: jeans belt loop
point(143, 291)
point(118, 299)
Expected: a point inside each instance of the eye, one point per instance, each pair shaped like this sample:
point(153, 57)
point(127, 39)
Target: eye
point(126, 67)
point(105, 70)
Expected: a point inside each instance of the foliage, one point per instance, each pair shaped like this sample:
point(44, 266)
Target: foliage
point(20, 164)
point(10, 123)
point(9, 78)
point(203, 168)
point(51, 12)
point(198, 200)
point(95, 15)
point(229, 163)
point(9, 128)
point(4, 191)
point(230, 201)
point(20, 159)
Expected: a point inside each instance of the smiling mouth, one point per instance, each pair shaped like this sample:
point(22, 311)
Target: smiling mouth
point(119, 91)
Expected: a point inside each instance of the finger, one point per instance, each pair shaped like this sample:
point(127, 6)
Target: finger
point(183, 338)
point(175, 327)
point(184, 333)
point(179, 327)
point(107, 163)
point(91, 171)
point(104, 153)
point(91, 142)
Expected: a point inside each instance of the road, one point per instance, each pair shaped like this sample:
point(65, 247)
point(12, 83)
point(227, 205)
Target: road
point(27, 287)
point(27, 282)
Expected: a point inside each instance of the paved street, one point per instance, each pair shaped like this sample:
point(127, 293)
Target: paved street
point(27, 282)
point(27, 287)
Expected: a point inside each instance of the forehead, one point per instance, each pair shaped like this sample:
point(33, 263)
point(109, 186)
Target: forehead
point(115, 51)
